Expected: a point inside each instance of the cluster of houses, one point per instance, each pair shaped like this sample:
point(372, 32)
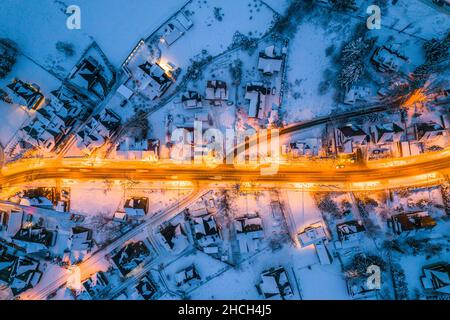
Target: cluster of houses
point(389, 139)
point(98, 129)
point(20, 273)
point(53, 119)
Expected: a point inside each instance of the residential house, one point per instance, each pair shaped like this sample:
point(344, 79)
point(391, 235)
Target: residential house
point(81, 239)
point(130, 256)
point(350, 233)
point(27, 95)
point(275, 285)
point(358, 289)
point(171, 33)
point(388, 58)
point(216, 92)
point(205, 229)
point(256, 93)
point(88, 75)
point(411, 221)
point(11, 221)
point(152, 78)
point(387, 133)
point(315, 234)
point(35, 239)
point(191, 100)
point(99, 128)
point(350, 137)
point(188, 276)
point(249, 229)
point(429, 131)
point(357, 93)
point(19, 273)
point(436, 278)
point(269, 61)
point(132, 148)
point(96, 285)
point(146, 288)
point(136, 207)
point(174, 237)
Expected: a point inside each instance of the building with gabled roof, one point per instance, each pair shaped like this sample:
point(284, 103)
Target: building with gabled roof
point(256, 93)
point(269, 62)
point(436, 278)
point(275, 284)
point(428, 131)
point(28, 95)
point(136, 207)
point(350, 233)
point(411, 221)
point(387, 133)
point(188, 276)
point(249, 230)
point(216, 92)
point(152, 77)
point(35, 239)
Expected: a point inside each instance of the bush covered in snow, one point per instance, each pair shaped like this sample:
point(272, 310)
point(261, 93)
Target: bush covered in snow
point(8, 56)
point(65, 48)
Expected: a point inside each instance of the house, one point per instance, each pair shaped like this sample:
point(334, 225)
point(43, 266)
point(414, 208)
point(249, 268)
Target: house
point(54, 122)
point(188, 276)
point(88, 75)
point(205, 229)
point(81, 239)
point(39, 202)
point(146, 288)
point(35, 239)
point(130, 256)
point(388, 58)
point(120, 216)
point(184, 21)
point(136, 207)
point(11, 221)
point(428, 131)
point(411, 221)
point(27, 95)
point(314, 233)
point(174, 237)
point(152, 77)
point(275, 285)
point(96, 285)
point(132, 148)
point(256, 93)
point(171, 33)
point(357, 93)
point(19, 273)
point(249, 231)
point(436, 278)
point(191, 100)
point(386, 133)
point(216, 92)
point(95, 132)
point(269, 61)
point(300, 148)
point(350, 137)
point(358, 289)
point(350, 233)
